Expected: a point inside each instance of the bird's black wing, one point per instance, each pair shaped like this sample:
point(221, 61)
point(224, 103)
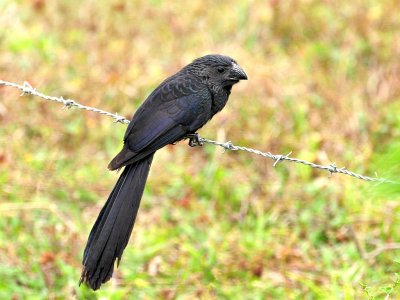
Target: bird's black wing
point(180, 105)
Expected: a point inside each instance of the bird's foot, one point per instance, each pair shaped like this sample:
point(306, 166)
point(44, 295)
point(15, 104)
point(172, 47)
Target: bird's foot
point(194, 139)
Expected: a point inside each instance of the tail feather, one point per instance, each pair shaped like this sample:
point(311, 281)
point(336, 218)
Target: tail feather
point(112, 229)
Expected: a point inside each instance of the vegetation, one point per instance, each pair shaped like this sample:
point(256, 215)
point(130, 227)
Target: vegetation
point(324, 81)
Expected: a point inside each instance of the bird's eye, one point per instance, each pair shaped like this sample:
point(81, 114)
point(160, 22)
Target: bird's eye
point(221, 70)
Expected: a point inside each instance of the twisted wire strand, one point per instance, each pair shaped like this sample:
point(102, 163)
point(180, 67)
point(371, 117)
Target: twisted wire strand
point(26, 88)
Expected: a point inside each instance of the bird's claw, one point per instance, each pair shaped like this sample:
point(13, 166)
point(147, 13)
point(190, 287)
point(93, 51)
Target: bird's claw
point(194, 139)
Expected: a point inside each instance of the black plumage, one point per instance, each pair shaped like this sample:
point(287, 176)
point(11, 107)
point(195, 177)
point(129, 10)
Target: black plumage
point(179, 106)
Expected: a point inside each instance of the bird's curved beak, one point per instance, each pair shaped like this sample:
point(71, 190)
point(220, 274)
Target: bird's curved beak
point(237, 73)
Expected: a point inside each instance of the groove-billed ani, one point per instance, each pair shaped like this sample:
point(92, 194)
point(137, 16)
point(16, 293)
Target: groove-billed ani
point(178, 107)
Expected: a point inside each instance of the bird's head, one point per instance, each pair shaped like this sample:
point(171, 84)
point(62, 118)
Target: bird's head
point(218, 71)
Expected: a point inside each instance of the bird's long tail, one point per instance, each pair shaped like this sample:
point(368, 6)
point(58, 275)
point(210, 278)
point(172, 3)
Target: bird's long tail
point(112, 229)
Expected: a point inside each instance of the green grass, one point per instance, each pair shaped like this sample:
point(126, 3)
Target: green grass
point(323, 83)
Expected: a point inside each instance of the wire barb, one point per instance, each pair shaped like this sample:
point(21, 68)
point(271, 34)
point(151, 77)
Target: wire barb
point(26, 88)
point(279, 158)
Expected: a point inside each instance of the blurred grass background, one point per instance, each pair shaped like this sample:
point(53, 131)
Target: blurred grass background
point(324, 81)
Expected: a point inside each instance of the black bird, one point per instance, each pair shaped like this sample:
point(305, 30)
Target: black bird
point(176, 109)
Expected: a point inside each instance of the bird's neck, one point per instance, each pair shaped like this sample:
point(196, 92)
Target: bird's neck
point(220, 97)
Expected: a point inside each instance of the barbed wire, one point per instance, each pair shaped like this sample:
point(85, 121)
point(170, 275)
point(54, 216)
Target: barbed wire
point(26, 88)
